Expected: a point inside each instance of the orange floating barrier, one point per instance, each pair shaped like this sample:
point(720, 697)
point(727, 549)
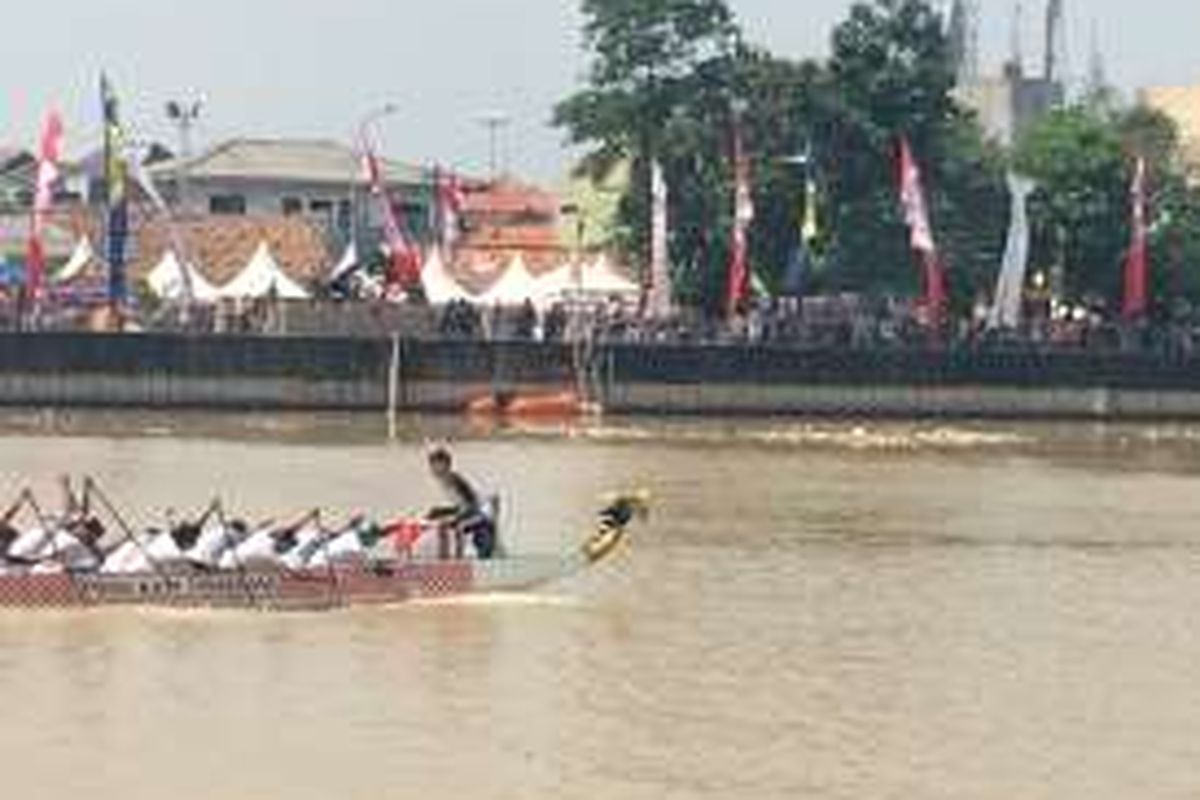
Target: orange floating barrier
point(552, 405)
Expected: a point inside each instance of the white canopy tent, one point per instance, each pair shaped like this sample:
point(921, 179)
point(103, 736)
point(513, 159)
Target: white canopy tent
point(601, 278)
point(168, 281)
point(560, 280)
point(515, 286)
point(440, 286)
point(263, 277)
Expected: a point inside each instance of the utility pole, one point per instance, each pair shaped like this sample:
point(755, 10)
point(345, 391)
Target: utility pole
point(184, 115)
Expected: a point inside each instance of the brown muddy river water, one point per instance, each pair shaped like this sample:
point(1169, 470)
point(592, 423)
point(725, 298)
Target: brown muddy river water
point(816, 611)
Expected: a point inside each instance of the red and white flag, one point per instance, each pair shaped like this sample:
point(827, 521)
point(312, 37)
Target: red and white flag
point(49, 156)
point(916, 215)
point(1137, 266)
point(743, 217)
point(451, 201)
point(404, 259)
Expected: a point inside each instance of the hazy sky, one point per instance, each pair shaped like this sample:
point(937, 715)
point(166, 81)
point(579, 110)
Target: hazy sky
point(305, 68)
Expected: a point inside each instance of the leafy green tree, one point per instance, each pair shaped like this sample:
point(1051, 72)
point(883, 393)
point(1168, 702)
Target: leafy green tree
point(646, 54)
point(1078, 212)
point(659, 72)
point(1174, 205)
point(668, 77)
point(892, 72)
point(1083, 160)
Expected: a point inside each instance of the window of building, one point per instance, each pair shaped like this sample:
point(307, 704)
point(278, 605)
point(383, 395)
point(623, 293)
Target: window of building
point(292, 206)
point(345, 217)
point(227, 204)
point(321, 208)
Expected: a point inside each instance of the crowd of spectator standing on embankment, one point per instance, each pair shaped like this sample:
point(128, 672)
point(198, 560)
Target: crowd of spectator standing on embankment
point(835, 322)
point(849, 324)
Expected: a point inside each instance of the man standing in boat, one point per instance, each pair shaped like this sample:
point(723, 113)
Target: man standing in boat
point(463, 515)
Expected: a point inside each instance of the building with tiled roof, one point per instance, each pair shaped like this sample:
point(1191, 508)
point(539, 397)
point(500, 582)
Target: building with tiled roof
point(321, 181)
point(315, 162)
point(505, 219)
point(220, 247)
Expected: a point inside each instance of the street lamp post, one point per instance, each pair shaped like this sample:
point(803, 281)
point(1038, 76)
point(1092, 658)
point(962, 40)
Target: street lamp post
point(495, 122)
point(184, 115)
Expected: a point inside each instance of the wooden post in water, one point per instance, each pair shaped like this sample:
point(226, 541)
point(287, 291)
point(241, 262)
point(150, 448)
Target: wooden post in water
point(393, 388)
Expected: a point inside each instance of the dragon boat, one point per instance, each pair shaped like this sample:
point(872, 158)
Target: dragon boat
point(88, 556)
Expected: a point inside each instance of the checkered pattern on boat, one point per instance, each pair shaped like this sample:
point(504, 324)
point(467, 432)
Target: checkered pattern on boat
point(38, 591)
point(312, 590)
point(373, 586)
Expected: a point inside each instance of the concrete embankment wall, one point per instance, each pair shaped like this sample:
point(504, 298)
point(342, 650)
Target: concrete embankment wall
point(66, 370)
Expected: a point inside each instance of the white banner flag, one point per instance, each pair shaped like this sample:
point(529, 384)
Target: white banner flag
point(1010, 288)
point(660, 300)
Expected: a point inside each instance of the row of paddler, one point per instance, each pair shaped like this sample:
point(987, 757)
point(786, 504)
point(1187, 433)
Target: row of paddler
point(77, 540)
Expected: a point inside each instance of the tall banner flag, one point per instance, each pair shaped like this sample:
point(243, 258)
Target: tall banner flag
point(116, 193)
point(803, 259)
point(450, 203)
point(1136, 264)
point(743, 217)
point(916, 216)
point(661, 296)
point(135, 164)
point(49, 157)
point(404, 262)
point(1010, 287)
point(810, 229)
point(136, 172)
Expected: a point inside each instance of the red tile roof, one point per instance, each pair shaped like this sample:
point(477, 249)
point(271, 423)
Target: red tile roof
point(509, 198)
point(540, 246)
point(506, 219)
point(222, 246)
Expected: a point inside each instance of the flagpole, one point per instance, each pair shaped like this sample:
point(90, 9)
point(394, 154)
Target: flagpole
point(438, 232)
point(116, 180)
point(393, 387)
point(106, 207)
